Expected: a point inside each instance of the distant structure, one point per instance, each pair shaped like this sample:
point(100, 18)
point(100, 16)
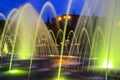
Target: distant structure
point(2, 23)
point(72, 21)
point(58, 23)
point(88, 22)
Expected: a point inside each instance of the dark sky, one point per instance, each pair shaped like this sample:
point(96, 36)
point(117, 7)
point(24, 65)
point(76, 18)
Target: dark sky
point(60, 6)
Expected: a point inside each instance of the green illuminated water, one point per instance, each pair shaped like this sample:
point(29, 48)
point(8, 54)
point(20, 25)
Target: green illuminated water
point(5, 49)
point(95, 40)
point(100, 35)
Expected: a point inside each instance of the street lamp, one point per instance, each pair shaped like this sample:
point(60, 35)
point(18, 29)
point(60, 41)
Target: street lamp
point(69, 17)
point(59, 18)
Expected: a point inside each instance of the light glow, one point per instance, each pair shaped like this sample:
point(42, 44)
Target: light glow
point(69, 17)
point(5, 48)
point(13, 71)
point(118, 23)
point(61, 78)
point(59, 18)
point(64, 17)
point(16, 72)
point(107, 64)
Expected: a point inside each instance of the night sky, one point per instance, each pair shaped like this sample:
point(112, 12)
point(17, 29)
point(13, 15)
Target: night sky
point(60, 6)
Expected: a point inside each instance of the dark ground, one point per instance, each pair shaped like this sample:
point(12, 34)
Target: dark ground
point(41, 70)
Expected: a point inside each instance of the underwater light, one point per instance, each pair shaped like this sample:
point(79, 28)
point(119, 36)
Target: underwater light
point(107, 64)
point(61, 78)
point(16, 72)
point(13, 71)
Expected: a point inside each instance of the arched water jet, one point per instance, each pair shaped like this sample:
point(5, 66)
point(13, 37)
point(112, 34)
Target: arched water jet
point(98, 39)
point(18, 27)
point(71, 50)
point(71, 33)
point(5, 48)
point(54, 38)
point(46, 45)
point(81, 46)
point(81, 35)
point(38, 27)
point(82, 21)
point(82, 39)
point(49, 4)
point(59, 33)
point(5, 27)
point(53, 35)
point(111, 19)
point(88, 10)
point(110, 29)
point(84, 45)
point(98, 32)
point(2, 16)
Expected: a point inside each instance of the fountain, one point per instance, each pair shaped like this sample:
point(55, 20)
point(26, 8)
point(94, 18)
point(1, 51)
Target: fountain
point(28, 36)
point(101, 37)
point(93, 47)
point(5, 48)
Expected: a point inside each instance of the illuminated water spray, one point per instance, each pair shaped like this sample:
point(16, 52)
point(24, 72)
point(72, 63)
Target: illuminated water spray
point(100, 35)
point(63, 40)
point(5, 49)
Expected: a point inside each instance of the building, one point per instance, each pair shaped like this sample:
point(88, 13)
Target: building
point(2, 23)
